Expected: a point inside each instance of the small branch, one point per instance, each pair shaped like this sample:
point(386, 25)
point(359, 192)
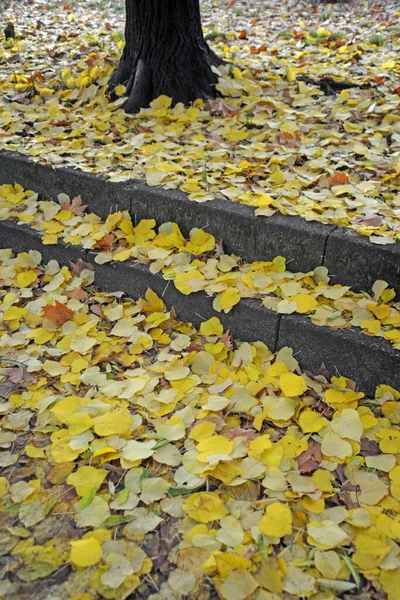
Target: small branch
point(330, 86)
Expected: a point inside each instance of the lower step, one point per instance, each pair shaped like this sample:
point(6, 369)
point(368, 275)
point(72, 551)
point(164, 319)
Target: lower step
point(368, 360)
point(350, 258)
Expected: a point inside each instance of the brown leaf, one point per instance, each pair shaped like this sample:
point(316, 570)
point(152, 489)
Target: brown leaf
point(220, 106)
point(369, 448)
point(228, 340)
point(107, 241)
point(311, 458)
point(79, 266)
point(77, 294)
point(58, 313)
point(289, 140)
point(97, 310)
point(59, 473)
point(370, 221)
point(219, 248)
point(241, 432)
point(339, 178)
point(76, 206)
point(19, 374)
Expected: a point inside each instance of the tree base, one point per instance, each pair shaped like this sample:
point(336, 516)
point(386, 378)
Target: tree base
point(145, 82)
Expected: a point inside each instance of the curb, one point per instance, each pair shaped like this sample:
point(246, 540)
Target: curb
point(351, 258)
point(367, 360)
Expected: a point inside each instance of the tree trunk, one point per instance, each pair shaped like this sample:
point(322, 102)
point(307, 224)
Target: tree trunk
point(165, 54)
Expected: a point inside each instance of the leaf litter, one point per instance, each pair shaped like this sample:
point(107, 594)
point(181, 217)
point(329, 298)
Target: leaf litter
point(282, 138)
point(200, 264)
point(142, 456)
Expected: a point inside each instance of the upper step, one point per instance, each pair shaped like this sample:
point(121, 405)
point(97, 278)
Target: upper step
point(350, 258)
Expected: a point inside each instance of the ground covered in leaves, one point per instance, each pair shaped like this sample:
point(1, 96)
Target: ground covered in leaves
point(141, 456)
point(281, 139)
point(200, 264)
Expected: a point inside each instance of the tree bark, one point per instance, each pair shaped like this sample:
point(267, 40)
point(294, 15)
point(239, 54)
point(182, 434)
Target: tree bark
point(165, 54)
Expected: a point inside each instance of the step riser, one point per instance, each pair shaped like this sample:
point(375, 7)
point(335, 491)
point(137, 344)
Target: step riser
point(369, 361)
point(351, 259)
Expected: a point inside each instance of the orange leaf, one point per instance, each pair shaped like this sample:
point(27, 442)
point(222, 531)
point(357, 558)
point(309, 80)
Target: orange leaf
point(106, 241)
point(58, 313)
point(339, 178)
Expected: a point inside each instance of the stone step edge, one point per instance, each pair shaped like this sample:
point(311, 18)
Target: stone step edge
point(350, 258)
point(369, 361)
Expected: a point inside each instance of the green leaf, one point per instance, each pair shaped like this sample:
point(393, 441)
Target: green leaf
point(118, 520)
point(353, 569)
point(146, 474)
point(86, 499)
point(179, 491)
point(263, 547)
point(123, 496)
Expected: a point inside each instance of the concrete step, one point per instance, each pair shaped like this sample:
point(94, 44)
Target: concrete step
point(350, 258)
point(367, 360)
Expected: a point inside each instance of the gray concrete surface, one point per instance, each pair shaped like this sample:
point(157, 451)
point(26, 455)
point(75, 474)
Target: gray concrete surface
point(351, 259)
point(368, 360)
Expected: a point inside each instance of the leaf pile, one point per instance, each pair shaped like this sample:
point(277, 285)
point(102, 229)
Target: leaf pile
point(200, 264)
point(276, 143)
point(140, 454)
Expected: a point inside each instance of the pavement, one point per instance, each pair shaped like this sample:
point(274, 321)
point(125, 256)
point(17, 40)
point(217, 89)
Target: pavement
point(350, 258)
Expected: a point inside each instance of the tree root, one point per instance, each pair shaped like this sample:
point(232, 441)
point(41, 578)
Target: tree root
point(330, 86)
point(139, 89)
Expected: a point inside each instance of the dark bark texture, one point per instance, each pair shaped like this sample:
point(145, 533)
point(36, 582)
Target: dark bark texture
point(165, 53)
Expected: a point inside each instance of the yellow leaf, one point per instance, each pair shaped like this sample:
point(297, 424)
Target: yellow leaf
point(162, 102)
point(13, 313)
point(325, 534)
point(348, 425)
point(172, 430)
point(215, 445)
point(136, 451)
point(334, 446)
point(333, 396)
point(86, 478)
point(34, 452)
point(26, 278)
point(78, 423)
point(277, 521)
point(120, 90)
point(230, 561)
point(239, 584)
point(306, 304)
point(211, 327)
point(292, 385)
point(370, 552)
point(311, 421)
point(259, 445)
point(185, 282)
point(112, 423)
point(123, 255)
point(85, 552)
point(200, 242)
point(66, 407)
point(204, 507)
point(202, 431)
point(390, 582)
point(226, 300)
point(81, 343)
